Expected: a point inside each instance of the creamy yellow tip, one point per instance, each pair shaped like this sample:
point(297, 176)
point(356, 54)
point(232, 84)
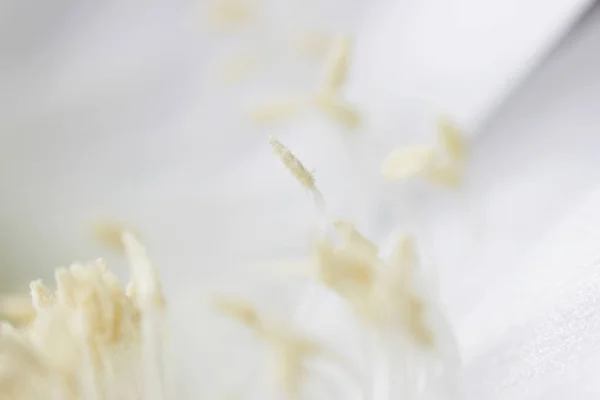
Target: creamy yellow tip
point(340, 111)
point(275, 112)
point(452, 140)
point(109, 234)
point(338, 62)
point(17, 309)
point(407, 162)
point(148, 289)
point(225, 14)
point(302, 175)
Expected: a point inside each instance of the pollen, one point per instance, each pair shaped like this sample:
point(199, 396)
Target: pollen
point(293, 164)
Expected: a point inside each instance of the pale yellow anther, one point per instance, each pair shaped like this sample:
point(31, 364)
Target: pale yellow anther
point(291, 350)
point(338, 62)
point(109, 234)
point(380, 291)
point(399, 276)
point(17, 309)
point(414, 320)
point(444, 174)
point(328, 99)
point(338, 110)
point(302, 175)
point(354, 240)
point(275, 112)
point(238, 309)
point(41, 295)
point(313, 44)
point(404, 256)
point(144, 275)
point(85, 341)
point(65, 287)
point(130, 290)
point(407, 162)
point(229, 13)
point(452, 140)
point(441, 165)
point(347, 272)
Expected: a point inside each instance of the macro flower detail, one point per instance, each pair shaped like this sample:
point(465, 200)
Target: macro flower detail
point(412, 347)
point(442, 164)
point(290, 349)
point(91, 338)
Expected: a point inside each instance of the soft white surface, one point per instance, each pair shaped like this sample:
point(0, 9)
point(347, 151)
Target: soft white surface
point(537, 158)
point(460, 57)
point(535, 335)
